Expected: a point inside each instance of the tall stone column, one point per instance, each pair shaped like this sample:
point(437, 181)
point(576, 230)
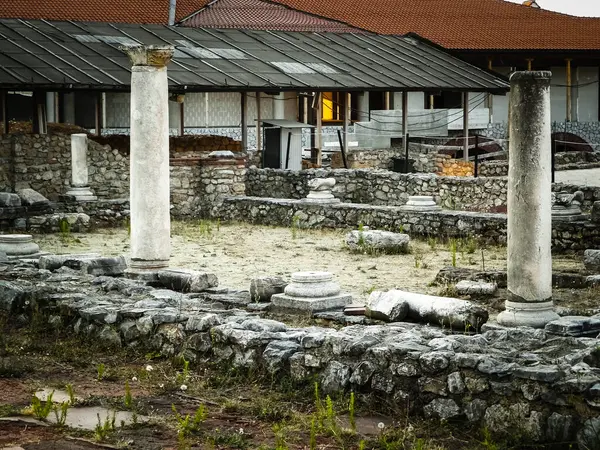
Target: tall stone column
point(149, 160)
point(529, 301)
point(79, 169)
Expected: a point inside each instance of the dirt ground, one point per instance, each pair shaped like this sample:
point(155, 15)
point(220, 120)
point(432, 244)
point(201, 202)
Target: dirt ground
point(238, 252)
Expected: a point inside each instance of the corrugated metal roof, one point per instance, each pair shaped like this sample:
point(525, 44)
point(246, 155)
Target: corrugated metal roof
point(82, 55)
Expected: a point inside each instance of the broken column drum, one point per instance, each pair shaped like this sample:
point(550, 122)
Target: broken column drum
point(311, 292)
point(149, 159)
point(79, 169)
point(529, 263)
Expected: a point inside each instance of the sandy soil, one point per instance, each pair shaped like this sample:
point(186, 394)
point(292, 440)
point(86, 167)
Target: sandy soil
point(238, 252)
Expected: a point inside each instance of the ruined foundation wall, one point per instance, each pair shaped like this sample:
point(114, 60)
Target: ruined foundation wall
point(381, 187)
point(522, 382)
point(486, 227)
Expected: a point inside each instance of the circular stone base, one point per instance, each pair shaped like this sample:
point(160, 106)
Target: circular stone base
point(18, 245)
point(81, 194)
point(312, 285)
point(535, 315)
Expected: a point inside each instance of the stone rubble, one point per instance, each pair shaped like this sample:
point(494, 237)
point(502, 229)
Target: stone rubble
point(378, 241)
point(263, 288)
point(476, 288)
point(511, 380)
point(591, 260)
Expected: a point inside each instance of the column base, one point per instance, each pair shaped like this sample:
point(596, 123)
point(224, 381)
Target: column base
point(145, 270)
point(81, 194)
point(535, 315)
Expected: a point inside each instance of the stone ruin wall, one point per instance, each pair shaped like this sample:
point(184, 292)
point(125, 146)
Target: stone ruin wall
point(521, 382)
point(426, 160)
point(379, 187)
point(488, 228)
point(563, 161)
point(43, 163)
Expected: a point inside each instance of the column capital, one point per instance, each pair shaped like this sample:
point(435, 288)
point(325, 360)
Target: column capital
point(149, 55)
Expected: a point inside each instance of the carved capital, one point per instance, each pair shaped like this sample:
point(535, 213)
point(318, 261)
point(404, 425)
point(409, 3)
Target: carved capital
point(149, 55)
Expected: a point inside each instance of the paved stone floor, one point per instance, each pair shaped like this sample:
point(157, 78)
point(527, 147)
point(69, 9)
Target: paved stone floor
point(587, 177)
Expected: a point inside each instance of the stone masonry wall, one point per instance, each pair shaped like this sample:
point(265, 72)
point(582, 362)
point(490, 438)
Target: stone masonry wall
point(520, 382)
point(43, 163)
point(563, 161)
point(380, 187)
point(486, 227)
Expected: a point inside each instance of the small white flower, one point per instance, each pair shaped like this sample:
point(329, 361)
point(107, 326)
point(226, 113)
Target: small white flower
point(161, 385)
point(183, 387)
point(149, 368)
point(241, 431)
point(381, 425)
point(134, 379)
point(26, 302)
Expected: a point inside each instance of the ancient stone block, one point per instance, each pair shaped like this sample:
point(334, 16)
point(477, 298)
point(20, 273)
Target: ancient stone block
point(184, 280)
point(591, 260)
point(9, 199)
point(377, 240)
point(578, 326)
point(467, 287)
point(29, 197)
point(262, 288)
point(386, 306)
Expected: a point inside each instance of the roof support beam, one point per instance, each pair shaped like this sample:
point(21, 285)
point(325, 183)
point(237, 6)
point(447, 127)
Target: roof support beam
point(244, 108)
point(466, 125)
point(98, 110)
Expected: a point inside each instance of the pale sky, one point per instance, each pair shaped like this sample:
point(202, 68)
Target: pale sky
point(573, 7)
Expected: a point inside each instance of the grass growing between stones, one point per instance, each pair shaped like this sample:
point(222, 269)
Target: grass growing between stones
point(220, 407)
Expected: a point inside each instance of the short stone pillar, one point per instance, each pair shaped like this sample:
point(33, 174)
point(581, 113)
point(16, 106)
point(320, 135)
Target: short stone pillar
point(320, 191)
point(80, 188)
point(311, 292)
point(529, 301)
point(421, 203)
point(149, 160)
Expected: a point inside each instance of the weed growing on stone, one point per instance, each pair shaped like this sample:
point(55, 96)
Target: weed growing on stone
point(295, 226)
point(101, 370)
point(60, 413)
point(128, 401)
point(184, 375)
point(71, 392)
point(205, 228)
point(432, 242)
point(103, 429)
point(351, 413)
point(453, 250)
point(41, 409)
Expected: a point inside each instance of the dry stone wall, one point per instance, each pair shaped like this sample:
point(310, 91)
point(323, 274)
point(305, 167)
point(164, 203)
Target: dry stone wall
point(43, 163)
point(381, 187)
point(521, 383)
point(486, 227)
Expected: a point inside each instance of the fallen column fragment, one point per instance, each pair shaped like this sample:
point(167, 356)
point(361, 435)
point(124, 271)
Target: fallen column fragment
point(448, 312)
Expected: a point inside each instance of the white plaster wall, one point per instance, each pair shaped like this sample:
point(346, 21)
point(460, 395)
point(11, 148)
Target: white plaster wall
point(586, 103)
point(558, 94)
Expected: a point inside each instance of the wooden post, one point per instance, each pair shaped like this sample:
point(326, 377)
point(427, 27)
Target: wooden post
point(181, 116)
point(405, 119)
point(569, 81)
point(4, 106)
point(529, 64)
point(347, 115)
point(490, 97)
point(466, 125)
point(99, 114)
point(431, 101)
point(244, 107)
point(319, 136)
point(386, 100)
point(258, 125)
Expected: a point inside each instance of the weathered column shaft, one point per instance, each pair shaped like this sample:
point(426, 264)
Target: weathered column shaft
point(79, 167)
point(149, 158)
point(529, 301)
